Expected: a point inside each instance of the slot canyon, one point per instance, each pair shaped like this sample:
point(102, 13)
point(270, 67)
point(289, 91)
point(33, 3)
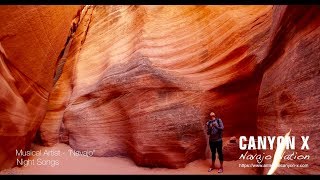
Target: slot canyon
point(140, 81)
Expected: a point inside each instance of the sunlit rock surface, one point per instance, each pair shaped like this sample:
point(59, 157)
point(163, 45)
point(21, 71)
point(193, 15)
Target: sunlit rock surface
point(139, 81)
point(31, 37)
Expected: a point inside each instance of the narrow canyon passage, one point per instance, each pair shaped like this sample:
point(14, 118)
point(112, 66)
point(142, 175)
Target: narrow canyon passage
point(136, 84)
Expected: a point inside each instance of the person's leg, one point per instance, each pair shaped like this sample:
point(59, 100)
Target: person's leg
point(220, 153)
point(213, 154)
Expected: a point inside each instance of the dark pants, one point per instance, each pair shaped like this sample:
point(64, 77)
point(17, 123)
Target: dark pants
point(214, 147)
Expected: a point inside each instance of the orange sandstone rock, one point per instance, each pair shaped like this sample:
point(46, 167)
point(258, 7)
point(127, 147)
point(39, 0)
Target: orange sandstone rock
point(31, 37)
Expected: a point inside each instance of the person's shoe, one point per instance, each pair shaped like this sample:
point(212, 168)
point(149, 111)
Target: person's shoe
point(210, 169)
point(220, 170)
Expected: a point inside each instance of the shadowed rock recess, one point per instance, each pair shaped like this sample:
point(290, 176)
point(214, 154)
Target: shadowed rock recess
point(140, 81)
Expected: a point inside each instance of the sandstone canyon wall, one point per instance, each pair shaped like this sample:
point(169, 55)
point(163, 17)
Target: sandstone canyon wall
point(289, 96)
point(31, 39)
point(139, 81)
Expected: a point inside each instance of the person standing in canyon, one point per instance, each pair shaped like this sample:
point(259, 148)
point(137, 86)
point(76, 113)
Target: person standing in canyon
point(214, 130)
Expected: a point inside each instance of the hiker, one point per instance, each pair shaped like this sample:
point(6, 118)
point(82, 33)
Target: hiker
point(214, 130)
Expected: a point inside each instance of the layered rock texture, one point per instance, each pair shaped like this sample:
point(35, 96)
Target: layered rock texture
point(31, 37)
point(231, 149)
point(140, 81)
point(289, 95)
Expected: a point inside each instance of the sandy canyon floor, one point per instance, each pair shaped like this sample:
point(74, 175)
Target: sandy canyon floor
point(115, 165)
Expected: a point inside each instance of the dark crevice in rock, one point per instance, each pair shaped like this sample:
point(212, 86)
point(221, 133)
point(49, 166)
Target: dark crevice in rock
point(64, 52)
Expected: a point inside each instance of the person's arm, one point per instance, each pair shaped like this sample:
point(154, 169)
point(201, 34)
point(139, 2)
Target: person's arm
point(220, 125)
point(208, 128)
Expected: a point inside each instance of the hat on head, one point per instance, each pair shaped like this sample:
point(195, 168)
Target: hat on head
point(212, 114)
